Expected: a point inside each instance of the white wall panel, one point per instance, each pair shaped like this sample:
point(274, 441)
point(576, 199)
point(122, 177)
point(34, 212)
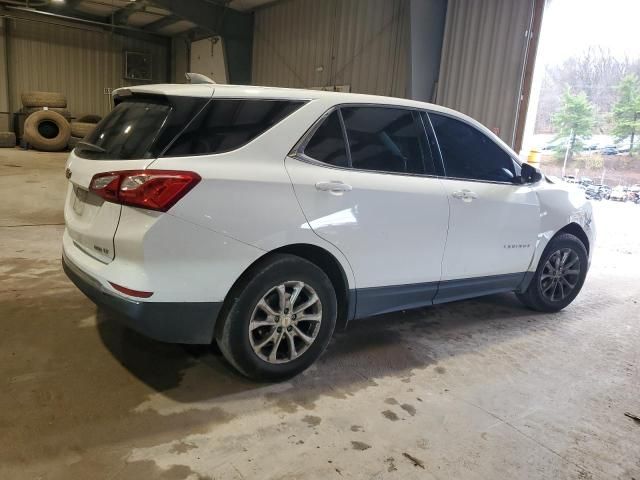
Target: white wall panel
point(207, 58)
point(310, 43)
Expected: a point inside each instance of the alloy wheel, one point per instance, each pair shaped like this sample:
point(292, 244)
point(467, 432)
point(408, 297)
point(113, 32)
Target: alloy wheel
point(560, 274)
point(285, 322)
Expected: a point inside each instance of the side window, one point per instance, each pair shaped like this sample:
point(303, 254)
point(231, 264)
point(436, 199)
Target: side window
point(327, 144)
point(385, 139)
point(228, 124)
point(469, 153)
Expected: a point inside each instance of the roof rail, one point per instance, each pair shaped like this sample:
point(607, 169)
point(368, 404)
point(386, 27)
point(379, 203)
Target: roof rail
point(194, 78)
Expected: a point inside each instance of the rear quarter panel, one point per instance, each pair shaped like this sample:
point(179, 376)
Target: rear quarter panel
point(247, 194)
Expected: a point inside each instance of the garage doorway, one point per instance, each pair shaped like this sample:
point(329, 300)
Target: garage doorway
point(582, 115)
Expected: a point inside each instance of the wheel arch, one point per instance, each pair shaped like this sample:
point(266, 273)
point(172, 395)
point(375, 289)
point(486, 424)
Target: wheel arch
point(576, 230)
point(572, 228)
point(320, 257)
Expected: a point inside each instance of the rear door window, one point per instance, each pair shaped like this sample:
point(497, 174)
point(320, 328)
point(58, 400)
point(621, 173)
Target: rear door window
point(228, 124)
point(327, 144)
point(386, 140)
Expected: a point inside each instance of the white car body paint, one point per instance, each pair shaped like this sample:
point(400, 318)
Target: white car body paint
point(560, 205)
point(389, 230)
point(494, 233)
point(409, 212)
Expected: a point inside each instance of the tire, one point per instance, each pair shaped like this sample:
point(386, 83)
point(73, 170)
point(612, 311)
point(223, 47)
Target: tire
point(62, 111)
point(73, 141)
point(89, 118)
point(47, 131)
point(81, 129)
point(233, 332)
point(44, 99)
point(7, 139)
point(537, 295)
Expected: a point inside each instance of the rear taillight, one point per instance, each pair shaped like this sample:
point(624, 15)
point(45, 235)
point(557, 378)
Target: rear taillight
point(151, 189)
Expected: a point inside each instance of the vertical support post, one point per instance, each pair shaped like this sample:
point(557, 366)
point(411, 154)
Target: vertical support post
point(527, 81)
point(5, 102)
point(427, 20)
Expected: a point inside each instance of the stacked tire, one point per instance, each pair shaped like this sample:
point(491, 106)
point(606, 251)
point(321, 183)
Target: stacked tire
point(46, 126)
point(82, 127)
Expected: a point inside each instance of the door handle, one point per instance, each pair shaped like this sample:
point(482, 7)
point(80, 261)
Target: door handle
point(465, 195)
point(333, 187)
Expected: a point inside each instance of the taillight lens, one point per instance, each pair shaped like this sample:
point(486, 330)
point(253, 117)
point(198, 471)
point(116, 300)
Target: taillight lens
point(106, 185)
point(151, 189)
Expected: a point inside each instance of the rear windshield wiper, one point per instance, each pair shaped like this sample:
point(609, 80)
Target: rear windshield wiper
point(90, 147)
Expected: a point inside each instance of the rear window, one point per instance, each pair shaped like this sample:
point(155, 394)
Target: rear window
point(151, 126)
point(128, 132)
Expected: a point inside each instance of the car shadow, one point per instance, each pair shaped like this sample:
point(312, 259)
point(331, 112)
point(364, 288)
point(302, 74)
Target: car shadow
point(391, 344)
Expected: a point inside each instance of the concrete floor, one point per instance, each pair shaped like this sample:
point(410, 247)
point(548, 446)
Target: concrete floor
point(476, 389)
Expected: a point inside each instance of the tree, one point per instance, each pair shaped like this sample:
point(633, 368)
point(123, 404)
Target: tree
point(596, 72)
point(574, 120)
point(627, 110)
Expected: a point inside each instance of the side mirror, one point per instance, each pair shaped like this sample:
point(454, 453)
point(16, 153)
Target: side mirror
point(530, 174)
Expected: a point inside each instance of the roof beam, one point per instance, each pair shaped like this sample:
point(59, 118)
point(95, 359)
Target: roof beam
point(121, 16)
point(217, 19)
point(67, 14)
point(73, 3)
point(162, 23)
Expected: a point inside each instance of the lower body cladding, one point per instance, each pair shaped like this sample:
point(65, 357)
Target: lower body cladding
point(172, 322)
point(378, 300)
point(194, 322)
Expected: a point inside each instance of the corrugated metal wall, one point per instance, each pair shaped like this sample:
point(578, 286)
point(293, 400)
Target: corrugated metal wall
point(4, 95)
point(309, 43)
point(483, 60)
point(76, 61)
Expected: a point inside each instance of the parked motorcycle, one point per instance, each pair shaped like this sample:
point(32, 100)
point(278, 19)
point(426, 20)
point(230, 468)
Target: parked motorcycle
point(593, 193)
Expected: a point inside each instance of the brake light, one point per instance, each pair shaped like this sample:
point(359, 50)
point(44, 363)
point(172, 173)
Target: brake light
point(151, 189)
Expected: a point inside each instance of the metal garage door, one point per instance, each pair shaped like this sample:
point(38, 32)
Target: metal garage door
point(483, 60)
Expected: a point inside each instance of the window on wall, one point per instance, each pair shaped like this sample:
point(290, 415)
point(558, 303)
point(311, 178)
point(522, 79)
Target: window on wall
point(386, 139)
point(138, 66)
point(327, 144)
point(469, 153)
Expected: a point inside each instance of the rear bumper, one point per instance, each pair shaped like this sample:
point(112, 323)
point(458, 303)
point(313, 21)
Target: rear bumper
point(172, 322)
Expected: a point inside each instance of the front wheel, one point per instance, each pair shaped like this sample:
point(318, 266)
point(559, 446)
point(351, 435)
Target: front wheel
point(280, 320)
point(559, 276)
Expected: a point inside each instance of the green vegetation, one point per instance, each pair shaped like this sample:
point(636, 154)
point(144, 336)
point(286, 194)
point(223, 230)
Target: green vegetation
point(627, 110)
point(574, 120)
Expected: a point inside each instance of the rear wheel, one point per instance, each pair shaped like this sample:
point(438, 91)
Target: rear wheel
point(280, 320)
point(559, 276)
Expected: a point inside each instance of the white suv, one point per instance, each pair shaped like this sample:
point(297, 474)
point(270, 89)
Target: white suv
point(261, 218)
